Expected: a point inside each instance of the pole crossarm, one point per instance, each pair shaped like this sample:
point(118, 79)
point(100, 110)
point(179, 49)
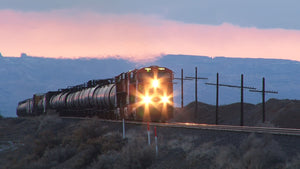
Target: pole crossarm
point(260, 91)
point(263, 92)
point(226, 85)
point(191, 78)
point(177, 78)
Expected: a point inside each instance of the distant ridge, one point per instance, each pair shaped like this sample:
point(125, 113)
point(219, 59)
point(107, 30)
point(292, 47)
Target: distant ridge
point(21, 77)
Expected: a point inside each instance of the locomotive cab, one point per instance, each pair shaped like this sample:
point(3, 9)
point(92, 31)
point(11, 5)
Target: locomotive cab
point(146, 94)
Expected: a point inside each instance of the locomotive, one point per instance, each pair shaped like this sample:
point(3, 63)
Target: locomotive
point(144, 94)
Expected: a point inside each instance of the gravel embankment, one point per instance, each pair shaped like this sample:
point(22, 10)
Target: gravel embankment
point(52, 142)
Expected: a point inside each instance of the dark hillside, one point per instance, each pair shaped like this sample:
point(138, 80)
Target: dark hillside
point(279, 113)
point(288, 115)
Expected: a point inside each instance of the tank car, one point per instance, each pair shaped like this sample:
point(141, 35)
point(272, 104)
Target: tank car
point(141, 94)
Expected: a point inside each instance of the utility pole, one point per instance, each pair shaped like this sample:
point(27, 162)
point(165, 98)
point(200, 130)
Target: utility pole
point(196, 89)
point(242, 100)
point(182, 88)
point(217, 99)
point(241, 87)
point(263, 91)
point(263, 100)
point(182, 79)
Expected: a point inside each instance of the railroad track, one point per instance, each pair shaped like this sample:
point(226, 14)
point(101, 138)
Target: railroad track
point(230, 128)
point(248, 129)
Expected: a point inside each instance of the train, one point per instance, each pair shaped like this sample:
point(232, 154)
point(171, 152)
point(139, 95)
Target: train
point(144, 94)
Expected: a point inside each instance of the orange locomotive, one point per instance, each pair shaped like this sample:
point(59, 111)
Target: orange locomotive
point(145, 94)
point(141, 94)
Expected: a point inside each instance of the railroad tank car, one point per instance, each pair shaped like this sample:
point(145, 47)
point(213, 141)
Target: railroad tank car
point(141, 94)
point(25, 108)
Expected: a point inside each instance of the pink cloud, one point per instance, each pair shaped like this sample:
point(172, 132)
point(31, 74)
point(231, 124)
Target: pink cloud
point(73, 34)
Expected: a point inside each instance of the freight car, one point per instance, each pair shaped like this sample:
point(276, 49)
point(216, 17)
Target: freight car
point(141, 94)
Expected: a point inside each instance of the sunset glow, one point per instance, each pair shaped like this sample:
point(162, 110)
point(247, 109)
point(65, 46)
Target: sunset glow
point(73, 34)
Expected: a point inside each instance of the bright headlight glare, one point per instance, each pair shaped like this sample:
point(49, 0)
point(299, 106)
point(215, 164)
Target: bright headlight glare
point(155, 83)
point(165, 99)
point(147, 99)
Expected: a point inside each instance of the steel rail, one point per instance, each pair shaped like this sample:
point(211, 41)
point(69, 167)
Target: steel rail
point(230, 128)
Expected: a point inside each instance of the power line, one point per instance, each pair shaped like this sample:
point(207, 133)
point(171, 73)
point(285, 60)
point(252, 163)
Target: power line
point(242, 87)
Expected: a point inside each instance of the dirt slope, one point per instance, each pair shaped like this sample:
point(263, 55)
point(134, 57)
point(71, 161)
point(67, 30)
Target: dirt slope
point(279, 113)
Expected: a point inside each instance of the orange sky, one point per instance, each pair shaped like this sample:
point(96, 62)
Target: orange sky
point(73, 34)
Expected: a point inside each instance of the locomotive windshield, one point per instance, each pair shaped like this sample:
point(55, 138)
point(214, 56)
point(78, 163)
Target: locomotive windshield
point(160, 75)
point(164, 75)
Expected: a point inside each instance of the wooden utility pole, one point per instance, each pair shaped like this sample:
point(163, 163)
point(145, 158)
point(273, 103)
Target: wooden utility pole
point(242, 100)
point(182, 88)
point(196, 96)
point(217, 99)
point(196, 89)
point(263, 91)
point(242, 87)
point(264, 101)
point(182, 79)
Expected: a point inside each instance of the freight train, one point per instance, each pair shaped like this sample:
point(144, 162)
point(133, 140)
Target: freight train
point(141, 94)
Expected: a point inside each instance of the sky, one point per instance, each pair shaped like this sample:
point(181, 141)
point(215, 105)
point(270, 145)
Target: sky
point(139, 30)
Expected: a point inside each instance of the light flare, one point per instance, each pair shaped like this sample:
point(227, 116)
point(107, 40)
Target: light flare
point(147, 99)
point(155, 83)
point(165, 99)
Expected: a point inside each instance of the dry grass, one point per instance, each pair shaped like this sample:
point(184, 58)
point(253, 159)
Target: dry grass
point(253, 153)
point(133, 155)
point(202, 156)
point(89, 144)
point(57, 145)
point(294, 163)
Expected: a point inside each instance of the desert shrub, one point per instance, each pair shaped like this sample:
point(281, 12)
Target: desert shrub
point(118, 153)
point(261, 152)
point(227, 157)
point(95, 152)
point(183, 142)
point(53, 157)
point(110, 141)
point(202, 156)
point(35, 146)
point(87, 130)
point(49, 122)
point(79, 160)
point(106, 161)
point(294, 163)
point(136, 154)
point(45, 140)
point(22, 156)
point(253, 153)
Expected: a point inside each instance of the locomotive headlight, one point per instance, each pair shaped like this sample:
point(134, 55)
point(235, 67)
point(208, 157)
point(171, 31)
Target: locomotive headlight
point(147, 99)
point(165, 99)
point(155, 83)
